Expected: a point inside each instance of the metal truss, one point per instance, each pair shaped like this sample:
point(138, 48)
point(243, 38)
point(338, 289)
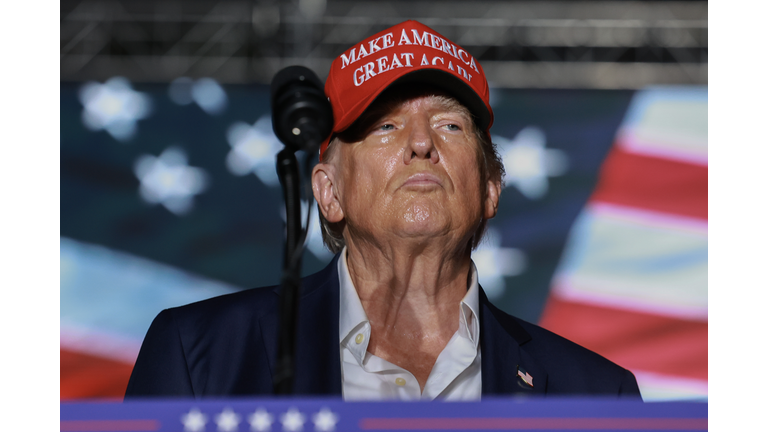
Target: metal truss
point(521, 44)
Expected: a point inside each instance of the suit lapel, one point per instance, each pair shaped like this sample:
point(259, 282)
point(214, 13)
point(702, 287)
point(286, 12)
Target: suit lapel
point(503, 355)
point(317, 359)
point(318, 362)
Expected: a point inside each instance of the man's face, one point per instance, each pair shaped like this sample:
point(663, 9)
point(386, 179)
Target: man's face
point(411, 171)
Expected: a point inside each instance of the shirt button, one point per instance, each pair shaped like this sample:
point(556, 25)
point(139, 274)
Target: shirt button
point(400, 382)
point(359, 338)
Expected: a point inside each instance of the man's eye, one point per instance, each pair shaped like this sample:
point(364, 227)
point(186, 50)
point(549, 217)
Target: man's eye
point(387, 127)
point(453, 127)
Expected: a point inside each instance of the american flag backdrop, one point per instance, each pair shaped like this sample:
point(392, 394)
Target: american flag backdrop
point(169, 195)
point(632, 284)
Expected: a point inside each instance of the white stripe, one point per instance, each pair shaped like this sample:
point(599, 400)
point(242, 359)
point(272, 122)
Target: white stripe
point(600, 293)
point(668, 122)
point(649, 218)
point(656, 387)
point(614, 260)
point(119, 293)
point(99, 343)
point(663, 145)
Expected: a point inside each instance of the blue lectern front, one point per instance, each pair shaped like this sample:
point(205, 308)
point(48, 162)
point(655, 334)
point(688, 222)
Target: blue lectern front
point(326, 414)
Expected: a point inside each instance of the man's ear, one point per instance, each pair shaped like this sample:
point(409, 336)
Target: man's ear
point(324, 189)
point(492, 192)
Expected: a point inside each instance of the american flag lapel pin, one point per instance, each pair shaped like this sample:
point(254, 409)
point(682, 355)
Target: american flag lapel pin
point(525, 376)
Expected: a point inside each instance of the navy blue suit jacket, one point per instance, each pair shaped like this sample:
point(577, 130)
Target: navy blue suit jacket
point(227, 346)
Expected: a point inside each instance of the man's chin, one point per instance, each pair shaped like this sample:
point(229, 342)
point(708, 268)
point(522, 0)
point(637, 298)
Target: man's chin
point(424, 225)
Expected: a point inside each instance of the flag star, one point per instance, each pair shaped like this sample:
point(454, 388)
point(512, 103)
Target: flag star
point(227, 420)
point(293, 420)
point(254, 150)
point(315, 238)
point(206, 92)
point(325, 420)
point(113, 106)
point(260, 420)
point(314, 241)
point(493, 262)
point(528, 163)
point(169, 181)
point(194, 421)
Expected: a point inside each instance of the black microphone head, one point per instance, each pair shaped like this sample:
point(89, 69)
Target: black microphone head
point(302, 117)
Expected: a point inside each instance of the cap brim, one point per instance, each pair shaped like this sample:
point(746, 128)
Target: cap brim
point(440, 79)
point(455, 87)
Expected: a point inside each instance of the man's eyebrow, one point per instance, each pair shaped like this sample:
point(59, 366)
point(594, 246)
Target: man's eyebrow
point(376, 113)
point(380, 109)
point(453, 110)
point(450, 108)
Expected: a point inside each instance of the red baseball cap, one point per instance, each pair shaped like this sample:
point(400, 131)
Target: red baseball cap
point(407, 52)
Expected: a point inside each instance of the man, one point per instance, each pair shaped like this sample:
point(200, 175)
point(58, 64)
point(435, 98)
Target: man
point(405, 186)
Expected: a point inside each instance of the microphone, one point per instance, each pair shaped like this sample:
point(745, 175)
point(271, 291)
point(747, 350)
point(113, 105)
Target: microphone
point(302, 117)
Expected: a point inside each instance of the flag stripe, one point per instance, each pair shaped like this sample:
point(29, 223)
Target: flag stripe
point(613, 259)
point(653, 183)
point(640, 142)
point(130, 425)
point(633, 339)
point(84, 375)
point(98, 343)
point(632, 283)
point(668, 122)
point(651, 218)
point(664, 387)
point(533, 423)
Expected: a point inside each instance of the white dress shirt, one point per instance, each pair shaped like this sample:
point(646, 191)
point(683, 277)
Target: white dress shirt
point(455, 375)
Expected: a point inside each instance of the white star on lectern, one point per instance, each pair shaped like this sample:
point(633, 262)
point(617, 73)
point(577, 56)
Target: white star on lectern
point(194, 421)
point(325, 420)
point(227, 421)
point(260, 420)
point(293, 420)
point(528, 163)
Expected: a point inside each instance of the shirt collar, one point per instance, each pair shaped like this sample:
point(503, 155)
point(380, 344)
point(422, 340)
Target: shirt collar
point(352, 316)
point(470, 318)
point(352, 313)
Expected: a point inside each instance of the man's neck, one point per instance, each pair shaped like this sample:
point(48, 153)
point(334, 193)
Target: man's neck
point(412, 300)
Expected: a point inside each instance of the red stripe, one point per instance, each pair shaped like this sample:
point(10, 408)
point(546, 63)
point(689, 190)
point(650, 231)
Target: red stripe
point(109, 425)
point(534, 423)
point(88, 376)
point(635, 340)
point(653, 183)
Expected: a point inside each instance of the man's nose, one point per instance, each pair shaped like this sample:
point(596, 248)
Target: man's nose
point(421, 143)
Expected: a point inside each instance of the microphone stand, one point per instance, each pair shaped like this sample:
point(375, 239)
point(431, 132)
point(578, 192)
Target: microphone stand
point(288, 171)
point(301, 118)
